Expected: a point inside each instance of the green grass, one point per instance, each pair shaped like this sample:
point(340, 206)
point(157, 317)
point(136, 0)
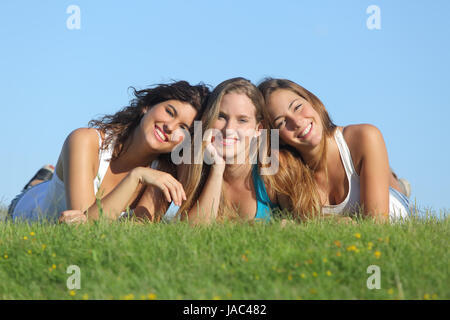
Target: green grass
point(230, 261)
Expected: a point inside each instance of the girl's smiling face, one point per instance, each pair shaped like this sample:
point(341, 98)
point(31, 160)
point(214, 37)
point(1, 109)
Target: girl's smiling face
point(163, 123)
point(236, 125)
point(299, 124)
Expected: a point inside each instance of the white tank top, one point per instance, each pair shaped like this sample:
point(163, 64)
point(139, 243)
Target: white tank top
point(351, 204)
point(48, 199)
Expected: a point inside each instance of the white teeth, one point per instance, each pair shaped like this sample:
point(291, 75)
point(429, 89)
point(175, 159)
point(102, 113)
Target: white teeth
point(306, 131)
point(160, 134)
point(229, 141)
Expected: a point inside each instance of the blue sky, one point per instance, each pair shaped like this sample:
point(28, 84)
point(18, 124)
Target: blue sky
point(54, 80)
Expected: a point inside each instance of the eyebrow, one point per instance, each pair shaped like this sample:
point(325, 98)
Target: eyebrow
point(242, 115)
point(290, 106)
point(176, 114)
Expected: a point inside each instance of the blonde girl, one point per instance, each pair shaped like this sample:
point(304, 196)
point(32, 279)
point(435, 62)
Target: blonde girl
point(222, 186)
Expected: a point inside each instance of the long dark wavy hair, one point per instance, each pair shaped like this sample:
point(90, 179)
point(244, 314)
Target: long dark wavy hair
point(120, 125)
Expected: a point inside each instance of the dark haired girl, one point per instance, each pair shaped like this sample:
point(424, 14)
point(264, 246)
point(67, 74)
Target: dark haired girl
point(110, 160)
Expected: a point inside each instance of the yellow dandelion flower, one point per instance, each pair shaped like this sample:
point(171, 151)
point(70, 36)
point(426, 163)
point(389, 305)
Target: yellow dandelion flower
point(290, 277)
point(377, 254)
point(324, 260)
point(434, 296)
point(426, 296)
point(358, 235)
point(244, 257)
point(151, 296)
point(128, 297)
point(5, 256)
point(30, 252)
point(43, 246)
point(32, 233)
point(370, 245)
point(329, 273)
point(25, 238)
point(143, 297)
point(338, 254)
point(72, 293)
point(53, 266)
point(85, 296)
point(351, 248)
point(337, 243)
point(303, 276)
point(391, 291)
point(53, 255)
point(314, 274)
point(216, 298)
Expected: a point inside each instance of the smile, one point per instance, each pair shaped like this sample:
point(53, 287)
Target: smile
point(305, 132)
point(160, 135)
point(229, 141)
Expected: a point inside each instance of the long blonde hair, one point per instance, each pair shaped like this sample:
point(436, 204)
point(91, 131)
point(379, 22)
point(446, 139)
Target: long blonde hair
point(295, 178)
point(193, 176)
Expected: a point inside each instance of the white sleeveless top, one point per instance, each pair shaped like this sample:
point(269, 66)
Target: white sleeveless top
point(48, 199)
point(398, 204)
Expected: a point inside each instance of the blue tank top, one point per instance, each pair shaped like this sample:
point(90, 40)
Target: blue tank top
point(263, 203)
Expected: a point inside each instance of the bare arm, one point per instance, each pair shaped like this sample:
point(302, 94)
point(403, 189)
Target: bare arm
point(205, 209)
point(79, 162)
point(148, 205)
point(374, 171)
point(80, 154)
point(80, 158)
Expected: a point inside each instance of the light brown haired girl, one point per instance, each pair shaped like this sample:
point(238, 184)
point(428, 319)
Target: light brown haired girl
point(329, 169)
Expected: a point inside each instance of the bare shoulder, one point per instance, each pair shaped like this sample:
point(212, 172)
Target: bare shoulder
point(80, 147)
point(360, 139)
point(358, 135)
point(85, 136)
point(82, 142)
